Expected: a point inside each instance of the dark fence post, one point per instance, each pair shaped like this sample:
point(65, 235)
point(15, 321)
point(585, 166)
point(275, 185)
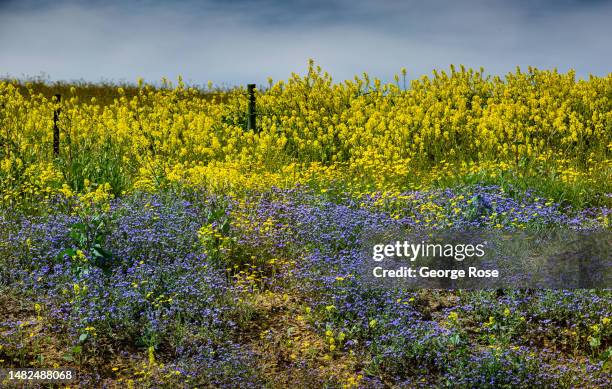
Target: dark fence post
point(56, 134)
point(251, 114)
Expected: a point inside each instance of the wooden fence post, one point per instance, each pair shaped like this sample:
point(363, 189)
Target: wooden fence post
point(56, 133)
point(251, 114)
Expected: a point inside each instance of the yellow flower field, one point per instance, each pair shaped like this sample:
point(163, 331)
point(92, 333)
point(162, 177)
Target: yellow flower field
point(541, 127)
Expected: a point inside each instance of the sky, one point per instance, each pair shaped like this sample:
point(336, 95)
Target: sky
point(233, 42)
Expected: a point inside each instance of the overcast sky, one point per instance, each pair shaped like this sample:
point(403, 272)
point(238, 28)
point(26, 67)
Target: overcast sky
point(237, 41)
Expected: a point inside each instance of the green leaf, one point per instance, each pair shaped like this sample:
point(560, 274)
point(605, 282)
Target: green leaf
point(100, 252)
point(69, 252)
point(455, 339)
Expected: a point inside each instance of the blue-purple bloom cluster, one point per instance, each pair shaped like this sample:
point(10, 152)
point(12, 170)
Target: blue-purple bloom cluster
point(158, 274)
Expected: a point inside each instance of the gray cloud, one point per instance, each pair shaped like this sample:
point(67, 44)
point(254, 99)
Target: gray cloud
point(234, 42)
